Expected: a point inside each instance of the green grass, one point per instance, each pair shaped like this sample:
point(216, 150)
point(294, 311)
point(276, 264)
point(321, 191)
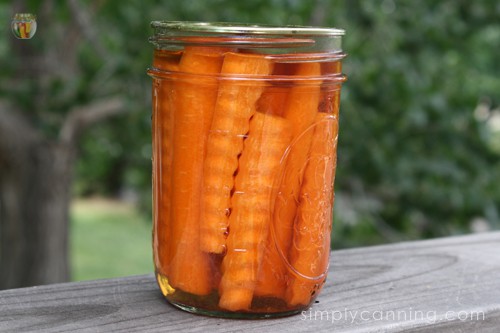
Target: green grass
point(108, 239)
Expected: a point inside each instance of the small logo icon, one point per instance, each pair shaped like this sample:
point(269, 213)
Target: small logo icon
point(24, 25)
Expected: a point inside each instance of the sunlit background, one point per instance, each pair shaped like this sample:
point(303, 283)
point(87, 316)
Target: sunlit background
point(419, 138)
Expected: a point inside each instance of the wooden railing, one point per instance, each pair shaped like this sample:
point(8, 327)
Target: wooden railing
point(442, 285)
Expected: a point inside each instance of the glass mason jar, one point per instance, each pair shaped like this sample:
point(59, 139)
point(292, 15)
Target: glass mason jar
point(244, 126)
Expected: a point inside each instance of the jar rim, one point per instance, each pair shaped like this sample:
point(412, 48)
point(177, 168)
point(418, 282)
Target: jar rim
point(260, 38)
point(246, 28)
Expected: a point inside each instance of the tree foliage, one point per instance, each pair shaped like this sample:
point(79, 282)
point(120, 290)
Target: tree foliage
point(415, 160)
point(418, 155)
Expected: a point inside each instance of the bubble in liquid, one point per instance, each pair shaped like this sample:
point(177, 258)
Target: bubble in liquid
point(240, 250)
point(224, 250)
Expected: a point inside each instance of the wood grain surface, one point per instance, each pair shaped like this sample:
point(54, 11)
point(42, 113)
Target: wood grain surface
point(442, 285)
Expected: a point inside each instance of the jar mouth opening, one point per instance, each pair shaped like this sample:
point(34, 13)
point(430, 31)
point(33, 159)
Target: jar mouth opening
point(260, 38)
point(245, 28)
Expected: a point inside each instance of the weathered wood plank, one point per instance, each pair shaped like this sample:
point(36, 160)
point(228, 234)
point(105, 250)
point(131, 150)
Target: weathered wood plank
point(426, 286)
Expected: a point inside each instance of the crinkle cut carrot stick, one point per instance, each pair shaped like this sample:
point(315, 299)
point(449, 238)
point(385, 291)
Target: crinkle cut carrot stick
point(259, 166)
point(236, 103)
point(195, 98)
point(301, 110)
point(162, 130)
point(309, 253)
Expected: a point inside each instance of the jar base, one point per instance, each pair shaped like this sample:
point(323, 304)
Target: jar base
point(262, 307)
point(233, 315)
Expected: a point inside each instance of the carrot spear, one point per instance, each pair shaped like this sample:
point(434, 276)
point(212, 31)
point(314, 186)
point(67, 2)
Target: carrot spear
point(236, 103)
point(195, 97)
point(259, 166)
point(310, 248)
point(300, 110)
point(162, 131)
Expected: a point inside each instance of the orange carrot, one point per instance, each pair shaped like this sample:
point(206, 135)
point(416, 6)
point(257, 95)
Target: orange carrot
point(234, 108)
point(272, 101)
point(162, 130)
point(166, 60)
point(195, 98)
point(310, 248)
point(259, 166)
point(301, 110)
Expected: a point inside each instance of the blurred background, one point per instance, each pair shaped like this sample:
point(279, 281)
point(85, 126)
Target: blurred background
point(419, 146)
